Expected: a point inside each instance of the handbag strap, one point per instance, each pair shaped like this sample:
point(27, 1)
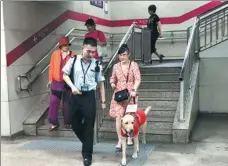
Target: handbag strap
point(128, 71)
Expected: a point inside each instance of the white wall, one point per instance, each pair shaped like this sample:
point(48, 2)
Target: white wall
point(5, 120)
point(123, 10)
point(213, 79)
point(22, 20)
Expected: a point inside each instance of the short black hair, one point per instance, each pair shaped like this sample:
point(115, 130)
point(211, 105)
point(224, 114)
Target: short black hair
point(90, 22)
point(152, 8)
point(90, 41)
point(123, 48)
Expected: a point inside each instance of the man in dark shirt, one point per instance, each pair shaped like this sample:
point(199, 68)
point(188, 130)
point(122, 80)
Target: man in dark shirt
point(154, 25)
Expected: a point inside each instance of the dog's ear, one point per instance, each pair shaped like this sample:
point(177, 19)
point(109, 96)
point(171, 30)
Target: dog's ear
point(121, 120)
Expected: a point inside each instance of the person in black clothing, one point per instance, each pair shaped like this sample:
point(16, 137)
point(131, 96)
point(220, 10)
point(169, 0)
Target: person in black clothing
point(154, 25)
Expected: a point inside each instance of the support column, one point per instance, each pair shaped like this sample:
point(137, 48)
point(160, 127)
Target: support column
point(5, 116)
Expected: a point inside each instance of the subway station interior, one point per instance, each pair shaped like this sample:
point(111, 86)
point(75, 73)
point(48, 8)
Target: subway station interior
point(188, 91)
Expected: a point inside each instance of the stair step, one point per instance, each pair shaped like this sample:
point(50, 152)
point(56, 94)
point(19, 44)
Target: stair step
point(158, 99)
point(154, 113)
point(160, 76)
point(151, 136)
point(152, 125)
point(166, 113)
point(152, 69)
point(160, 85)
point(61, 132)
point(158, 102)
point(161, 131)
point(168, 93)
point(149, 119)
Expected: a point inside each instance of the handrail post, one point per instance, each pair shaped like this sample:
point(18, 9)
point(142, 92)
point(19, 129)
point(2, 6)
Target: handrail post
point(181, 101)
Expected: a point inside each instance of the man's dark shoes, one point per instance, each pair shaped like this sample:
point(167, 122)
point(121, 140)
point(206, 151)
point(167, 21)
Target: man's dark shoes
point(87, 162)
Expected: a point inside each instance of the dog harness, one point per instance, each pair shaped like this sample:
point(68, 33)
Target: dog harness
point(139, 120)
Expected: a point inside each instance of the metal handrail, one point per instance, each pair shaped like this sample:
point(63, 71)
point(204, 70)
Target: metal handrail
point(211, 10)
point(209, 25)
point(212, 17)
point(220, 14)
point(29, 86)
point(188, 48)
point(181, 77)
point(192, 53)
point(41, 60)
point(28, 73)
point(116, 52)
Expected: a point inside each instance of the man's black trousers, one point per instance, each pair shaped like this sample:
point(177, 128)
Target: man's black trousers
point(83, 114)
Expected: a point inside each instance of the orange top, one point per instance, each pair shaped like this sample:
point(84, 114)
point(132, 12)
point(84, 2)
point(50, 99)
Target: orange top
point(54, 68)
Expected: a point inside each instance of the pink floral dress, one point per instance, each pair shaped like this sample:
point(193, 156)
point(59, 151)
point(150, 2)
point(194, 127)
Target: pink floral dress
point(119, 77)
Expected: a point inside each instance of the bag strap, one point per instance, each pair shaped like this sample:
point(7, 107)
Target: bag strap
point(128, 72)
point(96, 72)
point(72, 69)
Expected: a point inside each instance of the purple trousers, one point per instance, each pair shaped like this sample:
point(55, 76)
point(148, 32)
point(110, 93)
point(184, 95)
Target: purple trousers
point(55, 104)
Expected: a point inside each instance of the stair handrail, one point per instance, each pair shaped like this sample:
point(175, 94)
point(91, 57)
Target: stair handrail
point(29, 86)
point(181, 76)
point(211, 11)
point(188, 48)
point(212, 18)
point(124, 40)
point(28, 73)
point(215, 25)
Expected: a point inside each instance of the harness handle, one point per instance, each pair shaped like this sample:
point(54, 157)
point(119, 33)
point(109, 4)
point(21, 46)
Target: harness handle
point(128, 101)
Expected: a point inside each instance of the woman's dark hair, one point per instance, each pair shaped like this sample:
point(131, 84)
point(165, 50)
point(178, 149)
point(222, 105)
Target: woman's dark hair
point(152, 8)
point(90, 22)
point(123, 48)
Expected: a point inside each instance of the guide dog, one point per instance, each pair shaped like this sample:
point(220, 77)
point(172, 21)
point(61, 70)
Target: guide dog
point(130, 126)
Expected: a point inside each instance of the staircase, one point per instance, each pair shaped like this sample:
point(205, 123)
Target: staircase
point(160, 89)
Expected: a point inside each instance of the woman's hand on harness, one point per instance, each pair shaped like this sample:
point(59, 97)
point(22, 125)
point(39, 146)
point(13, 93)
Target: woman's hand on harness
point(133, 93)
point(113, 86)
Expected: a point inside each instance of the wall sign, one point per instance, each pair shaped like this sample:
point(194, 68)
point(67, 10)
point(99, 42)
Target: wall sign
point(99, 4)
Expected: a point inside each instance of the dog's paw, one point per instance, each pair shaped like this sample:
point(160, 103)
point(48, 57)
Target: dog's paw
point(123, 162)
point(135, 155)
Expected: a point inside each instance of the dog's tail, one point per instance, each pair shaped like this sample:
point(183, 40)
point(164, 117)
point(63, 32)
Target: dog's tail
point(147, 110)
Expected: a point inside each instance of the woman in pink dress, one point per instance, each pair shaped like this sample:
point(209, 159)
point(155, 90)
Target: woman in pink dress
point(121, 71)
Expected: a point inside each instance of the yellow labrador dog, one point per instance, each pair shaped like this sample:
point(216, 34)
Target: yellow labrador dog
point(130, 126)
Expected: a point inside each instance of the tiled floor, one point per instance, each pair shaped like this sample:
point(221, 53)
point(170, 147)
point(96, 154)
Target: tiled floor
point(209, 148)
